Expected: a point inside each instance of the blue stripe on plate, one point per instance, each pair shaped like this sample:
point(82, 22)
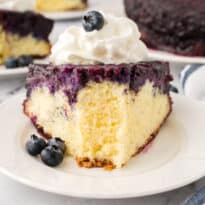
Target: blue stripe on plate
point(197, 198)
point(184, 75)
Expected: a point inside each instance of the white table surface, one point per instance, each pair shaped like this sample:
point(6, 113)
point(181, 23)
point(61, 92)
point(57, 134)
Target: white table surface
point(13, 193)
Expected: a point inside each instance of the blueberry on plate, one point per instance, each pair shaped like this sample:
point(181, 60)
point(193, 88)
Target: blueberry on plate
point(11, 62)
point(58, 143)
point(35, 145)
point(52, 155)
point(24, 60)
point(93, 20)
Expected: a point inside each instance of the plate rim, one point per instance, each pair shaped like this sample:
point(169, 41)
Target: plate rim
point(174, 58)
point(39, 187)
point(11, 72)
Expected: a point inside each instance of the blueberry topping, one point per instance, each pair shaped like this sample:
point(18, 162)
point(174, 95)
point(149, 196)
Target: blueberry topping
point(35, 145)
point(58, 143)
point(173, 89)
point(93, 20)
point(52, 156)
point(24, 61)
point(11, 62)
point(81, 76)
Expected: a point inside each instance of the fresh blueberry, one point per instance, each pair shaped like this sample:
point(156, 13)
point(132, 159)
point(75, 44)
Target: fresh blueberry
point(52, 156)
point(24, 60)
point(58, 143)
point(11, 62)
point(35, 145)
point(173, 89)
point(93, 20)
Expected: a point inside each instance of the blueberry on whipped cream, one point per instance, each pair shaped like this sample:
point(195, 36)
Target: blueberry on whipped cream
point(93, 20)
point(112, 44)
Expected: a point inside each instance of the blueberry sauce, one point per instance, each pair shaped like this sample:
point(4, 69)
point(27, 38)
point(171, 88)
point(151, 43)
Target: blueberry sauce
point(72, 78)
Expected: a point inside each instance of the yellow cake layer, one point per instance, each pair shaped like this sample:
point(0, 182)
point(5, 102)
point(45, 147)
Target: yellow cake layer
point(59, 5)
point(14, 45)
point(106, 123)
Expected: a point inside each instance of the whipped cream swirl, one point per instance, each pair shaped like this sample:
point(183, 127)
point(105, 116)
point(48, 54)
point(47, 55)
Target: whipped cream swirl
point(117, 42)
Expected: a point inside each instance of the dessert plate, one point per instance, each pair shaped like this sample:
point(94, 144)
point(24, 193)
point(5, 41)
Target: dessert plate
point(176, 158)
point(165, 56)
point(12, 72)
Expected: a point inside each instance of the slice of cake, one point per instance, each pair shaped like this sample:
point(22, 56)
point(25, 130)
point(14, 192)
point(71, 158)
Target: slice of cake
point(23, 33)
point(97, 96)
point(60, 5)
point(171, 25)
point(104, 113)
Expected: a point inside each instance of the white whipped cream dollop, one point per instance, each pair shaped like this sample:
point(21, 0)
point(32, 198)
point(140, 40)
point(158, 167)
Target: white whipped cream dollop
point(117, 42)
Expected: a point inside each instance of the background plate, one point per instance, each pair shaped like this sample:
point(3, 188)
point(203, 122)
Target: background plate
point(16, 72)
point(165, 56)
point(176, 158)
point(114, 6)
point(12, 72)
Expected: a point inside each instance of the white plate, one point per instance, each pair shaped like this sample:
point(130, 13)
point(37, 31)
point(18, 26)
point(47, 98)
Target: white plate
point(176, 158)
point(165, 56)
point(64, 15)
point(15, 72)
point(12, 72)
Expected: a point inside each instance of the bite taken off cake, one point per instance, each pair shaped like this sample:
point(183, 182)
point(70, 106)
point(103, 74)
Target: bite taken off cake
point(99, 95)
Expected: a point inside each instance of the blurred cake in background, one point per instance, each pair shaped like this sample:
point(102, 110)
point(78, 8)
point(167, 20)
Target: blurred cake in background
point(176, 26)
point(23, 33)
point(100, 95)
point(60, 5)
point(50, 5)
